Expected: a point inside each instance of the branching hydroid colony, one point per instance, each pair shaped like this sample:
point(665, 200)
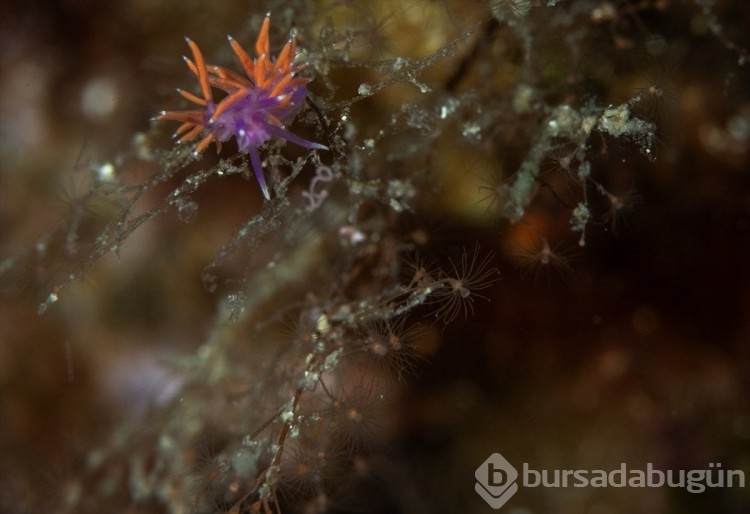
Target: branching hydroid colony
point(327, 299)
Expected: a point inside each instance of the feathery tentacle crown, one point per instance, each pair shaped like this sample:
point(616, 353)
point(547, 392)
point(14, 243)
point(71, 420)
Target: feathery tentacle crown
point(255, 108)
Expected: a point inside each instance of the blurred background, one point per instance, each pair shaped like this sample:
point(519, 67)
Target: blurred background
point(633, 349)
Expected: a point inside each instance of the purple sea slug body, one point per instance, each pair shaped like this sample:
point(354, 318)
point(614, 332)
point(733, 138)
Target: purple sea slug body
point(255, 108)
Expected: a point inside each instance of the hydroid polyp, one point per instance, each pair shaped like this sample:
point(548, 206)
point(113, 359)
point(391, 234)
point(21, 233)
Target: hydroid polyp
point(457, 290)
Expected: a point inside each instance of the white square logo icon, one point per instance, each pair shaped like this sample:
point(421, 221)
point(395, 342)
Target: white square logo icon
point(496, 480)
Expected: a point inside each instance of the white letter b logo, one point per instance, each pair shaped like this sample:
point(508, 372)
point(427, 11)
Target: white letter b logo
point(496, 480)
